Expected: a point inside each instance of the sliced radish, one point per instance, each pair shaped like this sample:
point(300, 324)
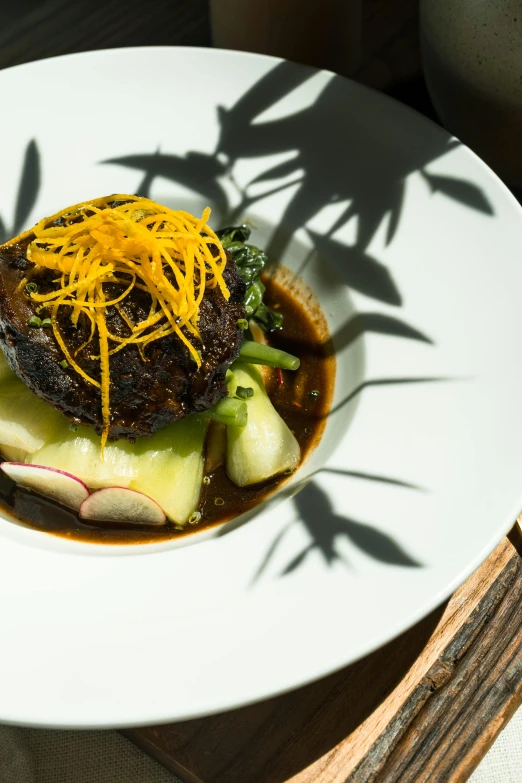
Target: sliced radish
point(120, 504)
point(54, 484)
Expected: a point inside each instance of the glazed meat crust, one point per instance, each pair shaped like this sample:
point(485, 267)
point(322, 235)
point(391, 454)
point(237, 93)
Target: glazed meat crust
point(144, 396)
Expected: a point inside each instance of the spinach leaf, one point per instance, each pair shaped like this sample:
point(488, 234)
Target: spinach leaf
point(250, 261)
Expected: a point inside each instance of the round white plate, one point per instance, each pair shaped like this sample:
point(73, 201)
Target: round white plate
point(414, 248)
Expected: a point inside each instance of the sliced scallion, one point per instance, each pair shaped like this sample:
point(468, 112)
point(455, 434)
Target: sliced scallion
point(244, 392)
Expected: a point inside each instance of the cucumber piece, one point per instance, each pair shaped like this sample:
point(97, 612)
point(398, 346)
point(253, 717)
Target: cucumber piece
point(265, 447)
point(171, 467)
point(168, 467)
point(26, 421)
point(79, 452)
point(12, 454)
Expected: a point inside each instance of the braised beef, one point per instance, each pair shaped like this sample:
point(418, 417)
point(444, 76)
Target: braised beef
point(144, 396)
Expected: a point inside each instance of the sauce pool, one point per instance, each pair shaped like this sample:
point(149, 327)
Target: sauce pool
point(302, 398)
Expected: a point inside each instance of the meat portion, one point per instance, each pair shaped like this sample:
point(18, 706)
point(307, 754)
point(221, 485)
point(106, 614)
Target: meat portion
point(144, 396)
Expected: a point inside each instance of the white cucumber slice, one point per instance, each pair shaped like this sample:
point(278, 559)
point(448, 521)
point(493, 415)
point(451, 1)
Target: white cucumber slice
point(264, 447)
point(168, 467)
point(11, 454)
point(79, 452)
point(171, 467)
point(26, 421)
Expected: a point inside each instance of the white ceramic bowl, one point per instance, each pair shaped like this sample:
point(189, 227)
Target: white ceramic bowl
point(413, 247)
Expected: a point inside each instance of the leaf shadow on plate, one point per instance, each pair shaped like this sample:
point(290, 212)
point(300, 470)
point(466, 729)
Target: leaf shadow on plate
point(27, 193)
point(327, 530)
point(245, 135)
point(370, 190)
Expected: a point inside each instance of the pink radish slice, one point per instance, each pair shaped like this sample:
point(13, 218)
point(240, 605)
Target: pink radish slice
point(121, 504)
point(55, 484)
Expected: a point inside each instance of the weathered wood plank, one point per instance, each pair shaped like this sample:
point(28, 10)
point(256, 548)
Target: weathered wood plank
point(466, 697)
point(377, 715)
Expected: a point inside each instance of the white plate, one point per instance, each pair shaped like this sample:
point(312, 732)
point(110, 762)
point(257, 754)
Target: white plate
point(414, 248)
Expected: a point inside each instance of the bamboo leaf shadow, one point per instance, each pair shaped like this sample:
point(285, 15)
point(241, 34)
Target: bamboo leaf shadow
point(359, 271)
point(459, 190)
point(388, 382)
point(28, 187)
point(376, 323)
point(196, 171)
point(327, 529)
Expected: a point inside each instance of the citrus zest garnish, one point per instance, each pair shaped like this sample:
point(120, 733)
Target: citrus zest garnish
point(138, 244)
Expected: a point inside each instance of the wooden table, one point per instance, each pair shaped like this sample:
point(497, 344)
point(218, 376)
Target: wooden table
point(427, 706)
point(423, 709)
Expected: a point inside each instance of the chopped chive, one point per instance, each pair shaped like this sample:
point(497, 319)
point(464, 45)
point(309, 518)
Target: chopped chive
point(73, 427)
point(308, 431)
point(64, 364)
point(242, 324)
point(31, 288)
point(315, 393)
point(194, 518)
point(47, 323)
point(244, 392)
point(249, 310)
point(34, 322)
point(206, 480)
point(219, 502)
point(178, 527)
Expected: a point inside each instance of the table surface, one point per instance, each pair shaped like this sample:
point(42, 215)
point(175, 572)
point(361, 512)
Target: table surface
point(355, 749)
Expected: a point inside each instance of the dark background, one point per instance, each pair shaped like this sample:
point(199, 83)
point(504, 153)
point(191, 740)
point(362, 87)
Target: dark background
point(34, 29)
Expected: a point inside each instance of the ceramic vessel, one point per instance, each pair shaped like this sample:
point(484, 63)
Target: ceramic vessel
point(472, 58)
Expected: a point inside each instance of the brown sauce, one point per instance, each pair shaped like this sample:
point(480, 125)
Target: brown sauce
point(302, 399)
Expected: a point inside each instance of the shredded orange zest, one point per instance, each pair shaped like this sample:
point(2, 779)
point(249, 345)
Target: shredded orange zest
point(158, 250)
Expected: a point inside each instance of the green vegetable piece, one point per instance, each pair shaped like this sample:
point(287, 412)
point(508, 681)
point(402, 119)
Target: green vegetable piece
point(31, 288)
point(244, 392)
point(229, 411)
point(64, 364)
point(231, 234)
point(256, 353)
point(268, 319)
point(47, 323)
point(254, 295)
point(34, 322)
point(265, 447)
point(242, 324)
point(250, 262)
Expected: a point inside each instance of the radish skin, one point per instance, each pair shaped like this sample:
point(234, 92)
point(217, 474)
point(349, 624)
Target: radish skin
point(57, 485)
point(121, 504)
